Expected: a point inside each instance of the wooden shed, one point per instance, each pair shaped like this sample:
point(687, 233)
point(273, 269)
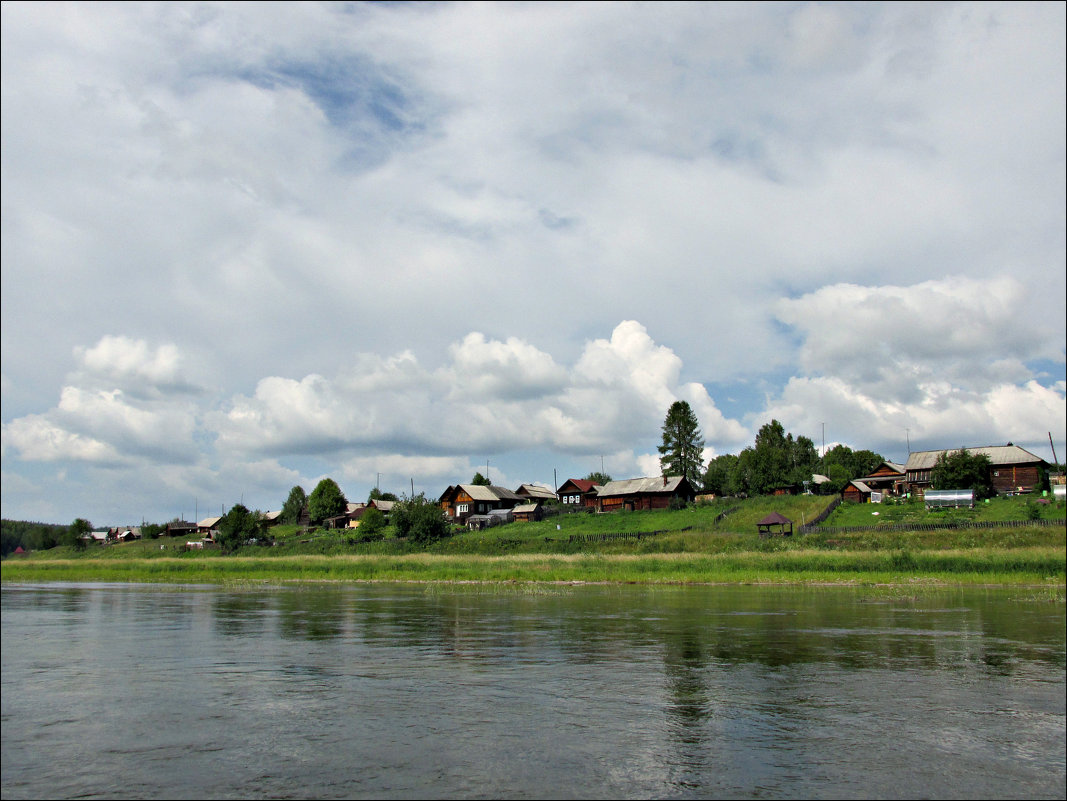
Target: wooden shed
point(856, 492)
point(528, 511)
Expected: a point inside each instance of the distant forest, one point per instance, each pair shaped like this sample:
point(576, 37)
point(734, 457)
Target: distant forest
point(31, 536)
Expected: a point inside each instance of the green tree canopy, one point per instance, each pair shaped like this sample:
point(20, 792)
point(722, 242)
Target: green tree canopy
point(963, 470)
point(326, 500)
point(855, 463)
point(377, 495)
point(420, 520)
point(479, 480)
point(74, 536)
point(371, 523)
point(599, 478)
point(719, 478)
point(682, 451)
point(293, 505)
point(238, 526)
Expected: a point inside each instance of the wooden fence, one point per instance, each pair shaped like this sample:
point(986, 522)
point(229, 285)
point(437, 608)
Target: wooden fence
point(964, 524)
point(629, 535)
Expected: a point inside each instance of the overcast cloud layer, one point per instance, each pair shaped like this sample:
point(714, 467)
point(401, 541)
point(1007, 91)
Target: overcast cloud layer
point(248, 246)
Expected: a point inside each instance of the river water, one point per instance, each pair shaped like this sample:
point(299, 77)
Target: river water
point(402, 691)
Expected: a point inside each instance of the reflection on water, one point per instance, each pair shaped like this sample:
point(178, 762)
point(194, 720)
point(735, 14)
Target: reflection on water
point(588, 691)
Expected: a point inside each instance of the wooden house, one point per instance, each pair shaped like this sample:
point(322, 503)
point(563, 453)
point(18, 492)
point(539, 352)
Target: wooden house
point(208, 526)
point(180, 528)
point(578, 492)
point(463, 500)
point(1013, 470)
point(536, 493)
point(634, 494)
point(889, 478)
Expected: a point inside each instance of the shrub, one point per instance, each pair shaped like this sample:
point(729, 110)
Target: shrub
point(420, 520)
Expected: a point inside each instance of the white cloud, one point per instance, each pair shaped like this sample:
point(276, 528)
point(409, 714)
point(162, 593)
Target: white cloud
point(36, 438)
point(891, 340)
point(941, 416)
point(492, 394)
point(120, 361)
point(402, 229)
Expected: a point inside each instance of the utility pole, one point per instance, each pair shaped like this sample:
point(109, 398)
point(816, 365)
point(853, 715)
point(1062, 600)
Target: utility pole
point(907, 433)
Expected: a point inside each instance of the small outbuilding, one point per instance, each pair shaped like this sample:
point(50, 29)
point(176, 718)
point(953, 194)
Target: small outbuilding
point(774, 521)
point(856, 491)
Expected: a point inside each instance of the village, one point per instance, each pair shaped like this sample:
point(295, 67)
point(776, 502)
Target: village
point(474, 506)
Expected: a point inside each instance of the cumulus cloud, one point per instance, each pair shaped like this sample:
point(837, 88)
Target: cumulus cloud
point(941, 415)
point(375, 231)
point(491, 395)
point(36, 438)
point(892, 340)
point(133, 366)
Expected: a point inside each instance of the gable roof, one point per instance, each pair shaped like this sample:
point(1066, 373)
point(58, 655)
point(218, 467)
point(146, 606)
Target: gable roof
point(480, 492)
point(580, 484)
point(535, 491)
point(998, 455)
point(641, 486)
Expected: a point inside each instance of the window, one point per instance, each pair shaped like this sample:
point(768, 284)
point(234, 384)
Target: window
point(461, 508)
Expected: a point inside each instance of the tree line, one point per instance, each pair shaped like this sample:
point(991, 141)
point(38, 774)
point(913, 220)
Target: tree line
point(776, 459)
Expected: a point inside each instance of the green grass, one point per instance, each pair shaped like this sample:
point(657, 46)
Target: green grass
point(690, 545)
point(995, 510)
point(1031, 566)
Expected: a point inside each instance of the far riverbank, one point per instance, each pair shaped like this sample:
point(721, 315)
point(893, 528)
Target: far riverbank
point(1034, 566)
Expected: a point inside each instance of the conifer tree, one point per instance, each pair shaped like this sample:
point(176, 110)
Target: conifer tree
point(682, 451)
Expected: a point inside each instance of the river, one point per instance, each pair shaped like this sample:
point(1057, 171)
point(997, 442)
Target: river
point(546, 691)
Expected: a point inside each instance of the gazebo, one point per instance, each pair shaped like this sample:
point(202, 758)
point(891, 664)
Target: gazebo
point(766, 525)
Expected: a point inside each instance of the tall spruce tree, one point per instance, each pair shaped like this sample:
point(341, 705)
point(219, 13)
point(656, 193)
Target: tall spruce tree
point(682, 451)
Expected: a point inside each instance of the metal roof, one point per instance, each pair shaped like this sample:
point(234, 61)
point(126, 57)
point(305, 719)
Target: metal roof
point(479, 492)
point(537, 491)
point(998, 455)
point(637, 486)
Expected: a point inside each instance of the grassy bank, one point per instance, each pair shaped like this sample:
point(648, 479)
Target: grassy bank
point(1031, 565)
point(715, 543)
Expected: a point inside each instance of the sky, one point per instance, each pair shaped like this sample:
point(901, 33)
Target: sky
point(249, 246)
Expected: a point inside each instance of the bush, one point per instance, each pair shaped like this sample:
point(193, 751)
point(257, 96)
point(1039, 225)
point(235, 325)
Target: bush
point(372, 524)
point(420, 520)
point(676, 504)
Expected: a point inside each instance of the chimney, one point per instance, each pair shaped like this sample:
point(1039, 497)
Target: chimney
point(665, 481)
